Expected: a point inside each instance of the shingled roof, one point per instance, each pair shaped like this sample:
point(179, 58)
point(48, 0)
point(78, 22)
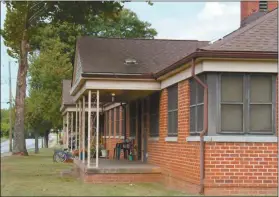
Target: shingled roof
point(108, 55)
point(67, 99)
point(259, 35)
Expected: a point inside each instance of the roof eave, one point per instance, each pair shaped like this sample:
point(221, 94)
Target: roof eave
point(218, 54)
point(115, 75)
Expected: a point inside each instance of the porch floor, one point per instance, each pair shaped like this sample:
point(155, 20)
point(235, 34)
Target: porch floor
point(109, 166)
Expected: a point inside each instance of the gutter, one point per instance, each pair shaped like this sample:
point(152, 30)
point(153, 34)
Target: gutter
point(118, 75)
point(205, 125)
point(218, 54)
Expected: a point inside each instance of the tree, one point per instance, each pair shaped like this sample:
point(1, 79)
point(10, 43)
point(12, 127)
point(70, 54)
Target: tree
point(125, 25)
point(5, 125)
point(53, 63)
point(22, 22)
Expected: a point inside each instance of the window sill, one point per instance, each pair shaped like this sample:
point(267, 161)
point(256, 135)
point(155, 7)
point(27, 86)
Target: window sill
point(131, 138)
point(153, 139)
point(117, 136)
point(171, 139)
point(111, 137)
point(122, 137)
point(233, 139)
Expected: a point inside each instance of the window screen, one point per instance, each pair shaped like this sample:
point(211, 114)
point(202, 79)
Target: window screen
point(196, 105)
point(247, 103)
point(154, 114)
point(260, 103)
point(112, 122)
point(106, 123)
point(133, 118)
point(117, 121)
point(122, 121)
point(232, 102)
point(172, 110)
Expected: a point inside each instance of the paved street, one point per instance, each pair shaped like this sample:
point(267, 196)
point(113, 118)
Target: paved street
point(30, 143)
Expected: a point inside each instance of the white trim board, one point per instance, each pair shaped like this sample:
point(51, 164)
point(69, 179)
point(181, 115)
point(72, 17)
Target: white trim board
point(122, 85)
point(222, 66)
point(233, 139)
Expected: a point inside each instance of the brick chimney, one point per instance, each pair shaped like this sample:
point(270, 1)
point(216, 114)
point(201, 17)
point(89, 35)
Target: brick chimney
point(250, 7)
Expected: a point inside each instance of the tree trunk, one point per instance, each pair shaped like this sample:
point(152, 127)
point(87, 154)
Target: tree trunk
point(36, 141)
point(19, 145)
point(46, 138)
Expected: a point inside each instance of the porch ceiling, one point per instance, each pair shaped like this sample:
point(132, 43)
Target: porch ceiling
point(124, 90)
point(120, 95)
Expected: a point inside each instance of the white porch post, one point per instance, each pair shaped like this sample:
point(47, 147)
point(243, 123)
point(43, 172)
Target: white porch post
point(76, 130)
point(71, 131)
point(79, 129)
point(83, 129)
point(89, 128)
point(97, 131)
point(67, 131)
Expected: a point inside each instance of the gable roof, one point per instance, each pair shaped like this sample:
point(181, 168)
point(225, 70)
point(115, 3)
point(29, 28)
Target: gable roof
point(67, 99)
point(257, 40)
point(108, 55)
point(259, 35)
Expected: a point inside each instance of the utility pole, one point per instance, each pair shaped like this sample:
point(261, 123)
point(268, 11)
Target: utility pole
point(10, 87)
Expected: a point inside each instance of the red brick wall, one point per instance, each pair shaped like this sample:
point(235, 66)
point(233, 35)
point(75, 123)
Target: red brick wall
point(240, 165)
point(249, 7)
point(179, 160)
point(230, 168)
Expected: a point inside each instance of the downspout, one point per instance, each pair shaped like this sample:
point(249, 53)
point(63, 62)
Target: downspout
point(205, 125)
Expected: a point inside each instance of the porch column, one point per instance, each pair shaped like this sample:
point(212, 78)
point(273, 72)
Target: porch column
point(79, 128)
point(67, 130)
point(83, 129)
point(76, 130)
point(62, 133)
point(71, 131)
point(97, 131)
point(88, 129)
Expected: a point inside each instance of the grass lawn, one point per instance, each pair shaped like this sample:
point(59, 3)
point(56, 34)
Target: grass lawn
point(37, 175)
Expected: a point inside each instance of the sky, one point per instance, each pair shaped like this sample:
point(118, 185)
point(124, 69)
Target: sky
point(206, 21)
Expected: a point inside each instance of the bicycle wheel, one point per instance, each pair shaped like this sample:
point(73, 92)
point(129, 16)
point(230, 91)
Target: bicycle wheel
point(60, 157)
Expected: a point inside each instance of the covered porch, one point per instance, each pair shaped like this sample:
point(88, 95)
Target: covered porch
point(103, 95)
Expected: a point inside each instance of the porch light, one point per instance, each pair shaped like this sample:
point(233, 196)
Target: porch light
point(112, 97)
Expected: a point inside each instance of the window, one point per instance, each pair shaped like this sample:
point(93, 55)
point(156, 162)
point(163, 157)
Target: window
point(196, 105)
point(247, 103)
point(112, 122)
point(117, 121)
point(133, 118)
point(122, 121)
point(154, 114)
point(107, 123)
point(263, 7)
point(232, 102)
point(172, 110)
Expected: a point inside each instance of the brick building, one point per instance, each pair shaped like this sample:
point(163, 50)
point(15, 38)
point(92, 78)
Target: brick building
point(205, 114)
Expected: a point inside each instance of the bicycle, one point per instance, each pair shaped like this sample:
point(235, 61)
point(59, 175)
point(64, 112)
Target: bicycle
point(60, 156)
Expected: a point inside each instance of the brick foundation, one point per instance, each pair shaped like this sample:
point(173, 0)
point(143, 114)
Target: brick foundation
point(121, 178)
